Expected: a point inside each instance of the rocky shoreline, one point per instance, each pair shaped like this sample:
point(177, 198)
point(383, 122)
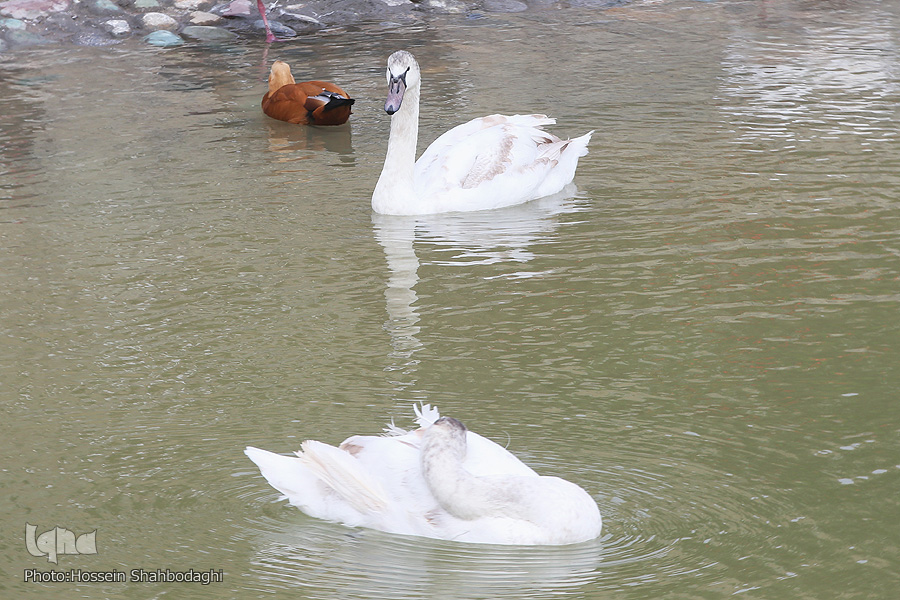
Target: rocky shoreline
point(25, 23)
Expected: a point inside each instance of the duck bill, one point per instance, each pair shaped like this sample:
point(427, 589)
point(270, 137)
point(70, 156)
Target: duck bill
point(395, 95)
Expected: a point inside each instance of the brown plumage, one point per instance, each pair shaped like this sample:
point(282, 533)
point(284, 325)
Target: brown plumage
point(306, 103)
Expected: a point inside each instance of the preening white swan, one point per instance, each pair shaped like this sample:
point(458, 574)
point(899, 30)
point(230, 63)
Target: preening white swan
point(486, 163)
point(439, 481)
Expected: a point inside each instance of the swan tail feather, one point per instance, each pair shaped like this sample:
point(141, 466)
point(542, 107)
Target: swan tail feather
point(391, 430)
point(426, 414)
point(284, 473)
point(582, 142)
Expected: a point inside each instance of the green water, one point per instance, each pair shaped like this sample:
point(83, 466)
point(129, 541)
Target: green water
point(705, 337)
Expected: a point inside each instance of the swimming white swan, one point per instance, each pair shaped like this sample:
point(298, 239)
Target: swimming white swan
point(439, 481)
point(486, 163)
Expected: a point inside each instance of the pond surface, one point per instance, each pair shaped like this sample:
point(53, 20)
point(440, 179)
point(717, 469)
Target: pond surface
point(705, 336)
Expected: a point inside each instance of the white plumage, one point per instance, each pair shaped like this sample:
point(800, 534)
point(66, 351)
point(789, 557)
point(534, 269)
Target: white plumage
point(487, 163)
point(440, 481)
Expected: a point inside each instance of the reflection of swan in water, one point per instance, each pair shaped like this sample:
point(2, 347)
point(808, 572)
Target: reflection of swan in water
point(484, 237)
point(310, 554)
point(440, 481)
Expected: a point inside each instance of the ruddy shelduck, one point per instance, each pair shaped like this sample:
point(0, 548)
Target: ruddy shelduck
point(305, 103)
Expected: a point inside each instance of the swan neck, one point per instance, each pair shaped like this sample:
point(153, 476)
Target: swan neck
point(396, 184)
point(460, 493)
point(401, 153)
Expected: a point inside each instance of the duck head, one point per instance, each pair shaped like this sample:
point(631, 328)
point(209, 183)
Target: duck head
point(402, 74)
point(279, 76)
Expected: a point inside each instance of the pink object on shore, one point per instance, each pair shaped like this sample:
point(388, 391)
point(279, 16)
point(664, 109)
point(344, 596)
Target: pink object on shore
point(237, 8)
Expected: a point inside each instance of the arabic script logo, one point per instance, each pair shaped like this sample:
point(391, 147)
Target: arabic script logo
point(58, 541)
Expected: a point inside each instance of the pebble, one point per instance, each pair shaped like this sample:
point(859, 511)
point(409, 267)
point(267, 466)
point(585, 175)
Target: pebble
point(146, 4)
point(504, 6)
point(163, 39)
point(155, 21)
point(199, 17)
point(193, 4)
point(205, 33)
point(105, 6)
point(447, 6)
point(117, 27)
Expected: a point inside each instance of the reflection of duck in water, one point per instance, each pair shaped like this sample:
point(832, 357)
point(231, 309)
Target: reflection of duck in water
point(305, 103)
point(439, 481)
point(292, 144)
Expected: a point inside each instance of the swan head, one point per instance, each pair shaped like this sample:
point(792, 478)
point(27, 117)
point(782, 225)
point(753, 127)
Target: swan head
point(402, 74)
point(446, 435)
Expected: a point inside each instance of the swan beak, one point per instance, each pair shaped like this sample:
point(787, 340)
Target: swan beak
point(396, 88)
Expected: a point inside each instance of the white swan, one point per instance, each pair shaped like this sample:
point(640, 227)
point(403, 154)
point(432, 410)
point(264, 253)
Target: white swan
point(439, 481)
point(486, 163)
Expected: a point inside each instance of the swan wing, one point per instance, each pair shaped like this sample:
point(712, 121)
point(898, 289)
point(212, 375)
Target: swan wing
point(496, 161)
point(485, 457)
point(344, 474)
point(479, 150)
point(304, 489)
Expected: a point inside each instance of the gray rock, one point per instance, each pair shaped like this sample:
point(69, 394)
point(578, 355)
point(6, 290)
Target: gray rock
point(446, 6)
point(504, 6)
point(93, 38)
point(117, 26)
point(163, 39)
point(297, 20)
point(155, 21)
point(279, 29)
point(12, 24)
point(20, 37)
point(198, 17)
point(64, 24)
point(105, 7)
point(204, 33)
point(193, 4)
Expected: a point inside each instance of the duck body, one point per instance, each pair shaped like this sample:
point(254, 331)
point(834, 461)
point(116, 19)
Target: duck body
point(439, 481)
point(487, 163)
point(305, 103)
